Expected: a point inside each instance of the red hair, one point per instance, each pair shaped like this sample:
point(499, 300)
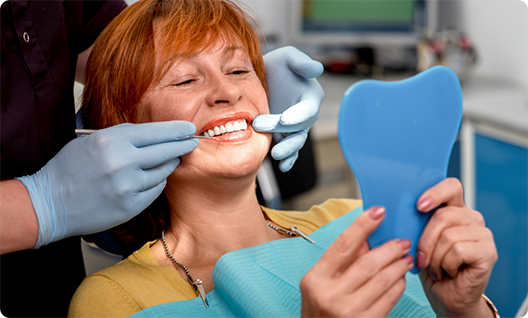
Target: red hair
point(123, 65)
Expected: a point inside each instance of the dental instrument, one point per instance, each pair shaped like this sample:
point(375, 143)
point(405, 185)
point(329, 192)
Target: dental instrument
point(89, 131)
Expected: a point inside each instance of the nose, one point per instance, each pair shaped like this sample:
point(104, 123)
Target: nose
point(223, 91)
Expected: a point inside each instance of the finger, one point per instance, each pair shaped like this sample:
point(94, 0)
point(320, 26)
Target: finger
point(141, 135)
point(273, 123)
point(369, 269)
point(387, 301)
point(267, 123)
point(139, 196)
point(363, 249)
point(131, 181)
point(300, 116)
point(305, 112)
point(380, 293)
point(157, 154)
point(479, 254)
point(448, 239)
point(302, 64)
point(448, 191)
point(391, 284)
point(286, 164)
point(159, 174)
point(145, 198)
point(441, 220)
point(342, 251)
point(289, 145)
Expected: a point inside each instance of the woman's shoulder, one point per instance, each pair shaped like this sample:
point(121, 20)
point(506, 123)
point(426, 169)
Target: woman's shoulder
point(129, 286)
point(317, 216)
point(100, 296)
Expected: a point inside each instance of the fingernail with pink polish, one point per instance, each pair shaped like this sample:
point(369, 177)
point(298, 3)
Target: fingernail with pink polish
point(404, 244)
point(424, 204)
point(376, 213)
point(420, 259)
point(408, 259)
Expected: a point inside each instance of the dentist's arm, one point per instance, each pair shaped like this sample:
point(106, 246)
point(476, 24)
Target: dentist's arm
point(18, 221)
point(295, 98)
point(93, 183)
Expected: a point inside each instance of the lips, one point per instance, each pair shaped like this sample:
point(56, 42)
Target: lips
point(229, 127)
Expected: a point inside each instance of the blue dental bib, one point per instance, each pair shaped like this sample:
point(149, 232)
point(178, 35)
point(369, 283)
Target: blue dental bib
point(263, 281)
point(397, 138)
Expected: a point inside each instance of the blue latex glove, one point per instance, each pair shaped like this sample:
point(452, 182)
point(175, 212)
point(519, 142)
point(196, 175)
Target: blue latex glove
point(106, 178)
point(295, 98)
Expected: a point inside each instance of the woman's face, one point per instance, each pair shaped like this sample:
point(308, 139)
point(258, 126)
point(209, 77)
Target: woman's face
point(219, 92)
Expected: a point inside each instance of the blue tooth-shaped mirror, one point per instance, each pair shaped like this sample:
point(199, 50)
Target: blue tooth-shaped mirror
point(397, 139)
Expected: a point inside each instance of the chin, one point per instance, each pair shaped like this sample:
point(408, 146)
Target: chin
point(232, 161)
point(245, 160)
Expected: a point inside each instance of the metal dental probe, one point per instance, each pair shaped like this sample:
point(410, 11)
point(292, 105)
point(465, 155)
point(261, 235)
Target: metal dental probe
point(89, 131)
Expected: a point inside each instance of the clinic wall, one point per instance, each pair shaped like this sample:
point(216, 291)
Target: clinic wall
point(274, 18)
point(498, 28)
point(499, 31)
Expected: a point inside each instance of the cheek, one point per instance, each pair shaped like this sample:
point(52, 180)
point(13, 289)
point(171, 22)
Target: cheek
point(143, 114)
point(260, 99)
point(163, 109)
point(267, 141)
point(265, 106)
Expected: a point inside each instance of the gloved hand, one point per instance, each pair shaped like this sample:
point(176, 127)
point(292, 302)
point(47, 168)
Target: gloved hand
point(106, 178)
point(295, 98)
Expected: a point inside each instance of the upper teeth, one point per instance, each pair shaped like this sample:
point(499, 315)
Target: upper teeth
point(227, 128)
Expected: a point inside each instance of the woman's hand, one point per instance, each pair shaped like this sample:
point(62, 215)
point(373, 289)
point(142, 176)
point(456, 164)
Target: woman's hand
point(351, 280)
point(457, 251)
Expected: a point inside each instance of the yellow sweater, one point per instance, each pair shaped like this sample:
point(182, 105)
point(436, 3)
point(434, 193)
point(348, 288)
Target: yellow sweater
point(139, 281)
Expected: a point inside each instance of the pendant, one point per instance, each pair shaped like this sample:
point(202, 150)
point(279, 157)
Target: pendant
point(299, 232)
point(198, 286)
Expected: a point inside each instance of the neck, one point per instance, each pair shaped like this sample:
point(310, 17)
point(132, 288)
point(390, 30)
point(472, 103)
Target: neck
point(209, 221)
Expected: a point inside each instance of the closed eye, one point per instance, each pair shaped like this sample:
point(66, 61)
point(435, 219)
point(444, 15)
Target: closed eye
point(187, 82)
point(239, 72)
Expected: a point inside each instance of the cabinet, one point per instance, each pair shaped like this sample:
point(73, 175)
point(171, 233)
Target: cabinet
point(494, 172)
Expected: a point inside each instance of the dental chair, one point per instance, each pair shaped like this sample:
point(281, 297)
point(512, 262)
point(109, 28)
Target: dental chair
point(274, 186)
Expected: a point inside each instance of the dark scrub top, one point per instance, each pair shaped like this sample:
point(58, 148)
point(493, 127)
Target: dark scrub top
point(40, 44)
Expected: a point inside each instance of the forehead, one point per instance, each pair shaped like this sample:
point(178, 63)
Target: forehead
point(218, 47)
point(169, 51)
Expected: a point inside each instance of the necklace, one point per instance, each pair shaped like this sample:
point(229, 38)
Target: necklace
point(198, 284)
point(295, 232)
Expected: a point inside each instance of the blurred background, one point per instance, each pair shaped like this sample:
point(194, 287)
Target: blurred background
point(484, 41)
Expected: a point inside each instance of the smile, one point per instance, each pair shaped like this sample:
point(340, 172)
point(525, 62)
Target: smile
point(230, 127)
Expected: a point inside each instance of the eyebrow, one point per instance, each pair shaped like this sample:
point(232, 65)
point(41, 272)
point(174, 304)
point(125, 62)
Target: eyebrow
point(233, 48)
point(228, 49)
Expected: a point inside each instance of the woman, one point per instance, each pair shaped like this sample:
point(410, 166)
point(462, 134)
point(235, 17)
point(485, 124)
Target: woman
point(147, 67)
